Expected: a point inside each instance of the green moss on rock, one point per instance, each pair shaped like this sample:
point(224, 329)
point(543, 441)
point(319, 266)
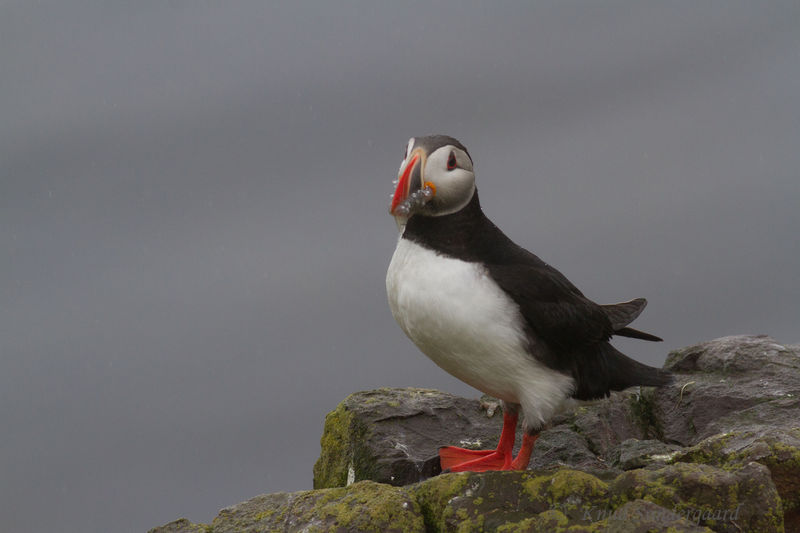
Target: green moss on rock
point(182, 526)
point(712, 450)
point(778, 450)
point(784, 464)
point(341, 456)
point(573, 492)
point(745, 499)
point(489, 500)
point(434, 494)
point(364, 506)
point(641, 515)
point(644, 410)
point(681, 497)
point(552, 520)
point(369, 506)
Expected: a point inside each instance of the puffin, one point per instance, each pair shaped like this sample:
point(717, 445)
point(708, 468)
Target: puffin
point(493, 314)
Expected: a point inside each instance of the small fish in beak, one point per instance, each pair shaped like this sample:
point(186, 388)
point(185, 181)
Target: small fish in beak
point(414, 201)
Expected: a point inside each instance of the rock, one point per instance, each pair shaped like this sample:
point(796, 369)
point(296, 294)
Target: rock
point(679, 497)
point(547, 521)
point(745, 386)
point(487, 501)
point(180, 526)
point(777, 449)
point(364, 506)
point(393, 435)
point(606, 423)
point(642, 516)
point(737, 399)
point(732, 384)
point(634, 453)
point(561, 446)
point(638, 516)
point(717, 450)
point(726, 501)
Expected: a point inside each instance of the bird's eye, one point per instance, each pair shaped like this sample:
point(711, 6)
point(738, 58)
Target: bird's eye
point(451, 161)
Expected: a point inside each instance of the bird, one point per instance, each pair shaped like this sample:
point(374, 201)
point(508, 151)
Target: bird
point(493, 314)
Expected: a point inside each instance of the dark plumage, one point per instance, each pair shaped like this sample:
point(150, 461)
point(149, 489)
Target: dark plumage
point(575, 329)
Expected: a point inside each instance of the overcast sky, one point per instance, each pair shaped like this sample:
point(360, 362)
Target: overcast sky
point(194, 226)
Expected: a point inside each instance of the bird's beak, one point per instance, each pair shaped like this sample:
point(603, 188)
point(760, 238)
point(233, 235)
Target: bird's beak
point(410, 178)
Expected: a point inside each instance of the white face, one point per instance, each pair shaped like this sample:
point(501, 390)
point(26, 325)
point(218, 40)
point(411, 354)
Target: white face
point(446, 173)
point(449, 169)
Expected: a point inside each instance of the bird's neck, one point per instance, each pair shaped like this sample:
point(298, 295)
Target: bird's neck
point(456, 234)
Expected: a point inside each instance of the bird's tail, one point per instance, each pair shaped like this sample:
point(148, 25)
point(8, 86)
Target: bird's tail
point(624, 313)
point(628, 372)
point(605, 369)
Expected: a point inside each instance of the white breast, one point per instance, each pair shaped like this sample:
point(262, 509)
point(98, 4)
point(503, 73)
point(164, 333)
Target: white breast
point(458, 316)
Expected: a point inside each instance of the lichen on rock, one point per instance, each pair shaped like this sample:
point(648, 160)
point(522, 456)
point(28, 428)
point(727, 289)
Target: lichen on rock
point(392, 435)
point(718, 450)
point(364, 506)
point(723, 500)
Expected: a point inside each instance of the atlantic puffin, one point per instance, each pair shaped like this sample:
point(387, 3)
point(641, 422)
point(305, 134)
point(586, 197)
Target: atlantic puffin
point(493, 314)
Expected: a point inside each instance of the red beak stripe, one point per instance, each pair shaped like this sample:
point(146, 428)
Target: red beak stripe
point(401, 193)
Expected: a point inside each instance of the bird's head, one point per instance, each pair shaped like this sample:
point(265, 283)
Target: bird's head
point(435, 178)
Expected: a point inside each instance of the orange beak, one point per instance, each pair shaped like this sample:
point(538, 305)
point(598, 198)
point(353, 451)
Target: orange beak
point(411, 173)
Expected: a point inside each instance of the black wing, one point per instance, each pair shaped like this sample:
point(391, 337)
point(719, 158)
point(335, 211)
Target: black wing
point(574, 330)
point(554, 309)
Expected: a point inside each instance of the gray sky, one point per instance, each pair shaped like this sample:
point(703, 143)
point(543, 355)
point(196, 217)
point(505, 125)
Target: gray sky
point(194, 226)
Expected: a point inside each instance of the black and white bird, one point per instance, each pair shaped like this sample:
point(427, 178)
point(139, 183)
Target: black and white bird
point(493, 314)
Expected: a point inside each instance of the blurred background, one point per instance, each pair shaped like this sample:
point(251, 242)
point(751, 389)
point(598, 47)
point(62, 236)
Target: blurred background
point(194, 226)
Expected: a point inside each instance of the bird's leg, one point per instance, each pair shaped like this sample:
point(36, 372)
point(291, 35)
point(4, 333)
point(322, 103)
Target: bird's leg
point(523, 457)
point(464, 460)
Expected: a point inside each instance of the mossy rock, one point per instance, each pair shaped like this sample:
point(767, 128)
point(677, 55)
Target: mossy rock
point(490, 500)
point(563, 446)
point(606, 423)
point(729, 385)
point(392, 435)
point(340, 450)
point(777, 449)
point(633, 453)
point(724, 500)
point(560, 500)
point(678, 497)
point(570, 491)
point(552, 520)
point(638, 516)
point(181, 525)
point(641, 516)
point(363, 507)
point(734, 408)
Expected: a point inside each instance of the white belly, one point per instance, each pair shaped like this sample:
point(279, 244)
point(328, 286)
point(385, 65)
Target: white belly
point(467, 325)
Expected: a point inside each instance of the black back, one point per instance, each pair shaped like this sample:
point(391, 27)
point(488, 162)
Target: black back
point(573, 329)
